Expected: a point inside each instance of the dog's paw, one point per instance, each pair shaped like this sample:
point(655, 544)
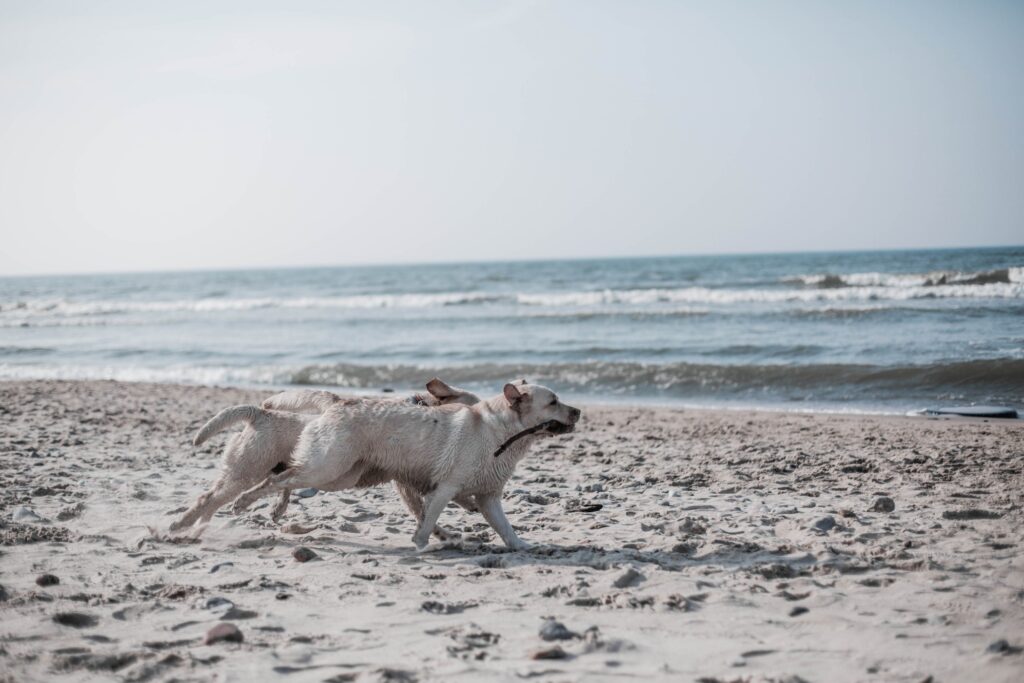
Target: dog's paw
point(420, 540)
point(519, 544)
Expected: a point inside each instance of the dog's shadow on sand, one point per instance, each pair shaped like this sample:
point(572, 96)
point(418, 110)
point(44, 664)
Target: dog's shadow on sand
point(489, 556)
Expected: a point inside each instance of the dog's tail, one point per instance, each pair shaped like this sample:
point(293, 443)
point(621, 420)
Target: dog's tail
point(226, 418)
point(301, 401)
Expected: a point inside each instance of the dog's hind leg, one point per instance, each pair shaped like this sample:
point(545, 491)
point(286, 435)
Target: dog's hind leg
point(264, 488)
point(223, 491)
point(282, 505)
point(293, 479)
point(435, 503)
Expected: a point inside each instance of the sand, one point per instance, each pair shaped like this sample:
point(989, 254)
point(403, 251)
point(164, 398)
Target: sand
point(728, 546)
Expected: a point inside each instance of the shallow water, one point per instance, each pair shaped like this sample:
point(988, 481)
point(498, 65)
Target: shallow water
point(893, 330)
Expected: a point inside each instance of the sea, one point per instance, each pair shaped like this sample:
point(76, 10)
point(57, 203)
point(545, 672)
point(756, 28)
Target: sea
point(880, 331)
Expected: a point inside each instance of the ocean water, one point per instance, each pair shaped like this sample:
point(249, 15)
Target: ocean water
point(885, 331)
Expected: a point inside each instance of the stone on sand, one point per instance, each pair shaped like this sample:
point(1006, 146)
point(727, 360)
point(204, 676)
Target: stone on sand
point(883, 504)
point(555, 630)
point(550, 653)
point(628, 579)
point(304, 554)
point(825, 524)
point(26, 516)
point(223, 633)
point(47, 580)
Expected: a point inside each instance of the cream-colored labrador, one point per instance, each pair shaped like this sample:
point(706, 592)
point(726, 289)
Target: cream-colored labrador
point(271, 432)
point(446, 450)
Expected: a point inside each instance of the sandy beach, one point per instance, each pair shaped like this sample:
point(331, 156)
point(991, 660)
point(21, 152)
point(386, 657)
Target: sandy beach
point(669, 544)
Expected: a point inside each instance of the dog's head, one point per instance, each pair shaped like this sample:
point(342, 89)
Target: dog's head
point(537, 405)
point(442, 394)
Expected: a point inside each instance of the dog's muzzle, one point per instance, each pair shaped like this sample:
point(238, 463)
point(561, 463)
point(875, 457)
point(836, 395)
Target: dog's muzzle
point(556, 427)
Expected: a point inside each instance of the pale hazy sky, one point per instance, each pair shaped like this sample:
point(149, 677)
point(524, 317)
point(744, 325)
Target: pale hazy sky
point(138, 136)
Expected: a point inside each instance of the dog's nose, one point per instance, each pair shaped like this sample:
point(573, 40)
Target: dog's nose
point(575, 415)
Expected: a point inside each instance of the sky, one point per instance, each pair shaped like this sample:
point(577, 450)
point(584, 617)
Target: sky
point(160, 136)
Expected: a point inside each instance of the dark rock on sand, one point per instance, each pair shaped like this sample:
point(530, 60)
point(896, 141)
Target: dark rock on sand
point(223, 633)
point(550, 653)
point(628, 578)
point(971, 513)
point(1003, 647)
point(883, 504)
point(825, 524)
point(215, 603)
point(304, 554)
point(798, 610)
point(75, 619)
point(556, 630)
point(47, 580)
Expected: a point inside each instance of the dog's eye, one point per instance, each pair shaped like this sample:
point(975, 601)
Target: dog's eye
point(554, 401)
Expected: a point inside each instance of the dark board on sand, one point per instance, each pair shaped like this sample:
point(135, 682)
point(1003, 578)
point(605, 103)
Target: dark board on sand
point(975, 411)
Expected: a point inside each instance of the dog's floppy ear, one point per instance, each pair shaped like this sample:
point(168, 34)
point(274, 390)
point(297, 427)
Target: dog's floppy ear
point(441, 391)
point(512, 395)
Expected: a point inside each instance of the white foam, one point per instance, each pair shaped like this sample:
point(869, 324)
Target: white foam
point(703, 295)
point(231, 376)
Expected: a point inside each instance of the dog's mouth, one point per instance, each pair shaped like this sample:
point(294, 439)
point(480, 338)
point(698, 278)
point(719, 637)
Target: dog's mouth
point(556, 427)
point(549, 427)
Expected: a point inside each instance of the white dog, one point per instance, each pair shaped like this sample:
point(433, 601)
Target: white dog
point(266, 443)
point(449, 450)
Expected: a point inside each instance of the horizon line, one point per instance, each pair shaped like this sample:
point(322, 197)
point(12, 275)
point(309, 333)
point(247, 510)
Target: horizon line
point(485, 261)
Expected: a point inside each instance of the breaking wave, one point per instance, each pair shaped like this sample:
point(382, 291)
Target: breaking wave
point(938, 278)
point(997, 379)
point(863, 287)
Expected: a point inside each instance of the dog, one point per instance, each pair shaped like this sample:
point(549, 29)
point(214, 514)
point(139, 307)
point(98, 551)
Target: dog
point(448, 450)
point(272, 430)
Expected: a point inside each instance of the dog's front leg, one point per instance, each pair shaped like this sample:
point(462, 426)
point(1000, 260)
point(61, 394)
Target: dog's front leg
point(490, 507)
point(435, 503)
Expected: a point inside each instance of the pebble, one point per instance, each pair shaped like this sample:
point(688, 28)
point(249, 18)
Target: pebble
point(1003, 647)
point(26, 516)
point(555, 630)
point(223, 633)
point(75, 619)
point(628, 579)
point(798, 610)
point(825, 524)
point(306, 493)
point(215, 603)
point(883, 504)
point(304, 554)
point(550, 653)
point(47, 580)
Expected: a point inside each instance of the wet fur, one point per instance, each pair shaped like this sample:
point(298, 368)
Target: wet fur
point(265, 446)
point(446, 450)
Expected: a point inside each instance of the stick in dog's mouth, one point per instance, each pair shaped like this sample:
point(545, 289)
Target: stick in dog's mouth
point(551, 427)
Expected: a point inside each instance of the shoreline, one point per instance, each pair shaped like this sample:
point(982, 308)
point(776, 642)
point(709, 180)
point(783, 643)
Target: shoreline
point(656, 403)
point(729, 544)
